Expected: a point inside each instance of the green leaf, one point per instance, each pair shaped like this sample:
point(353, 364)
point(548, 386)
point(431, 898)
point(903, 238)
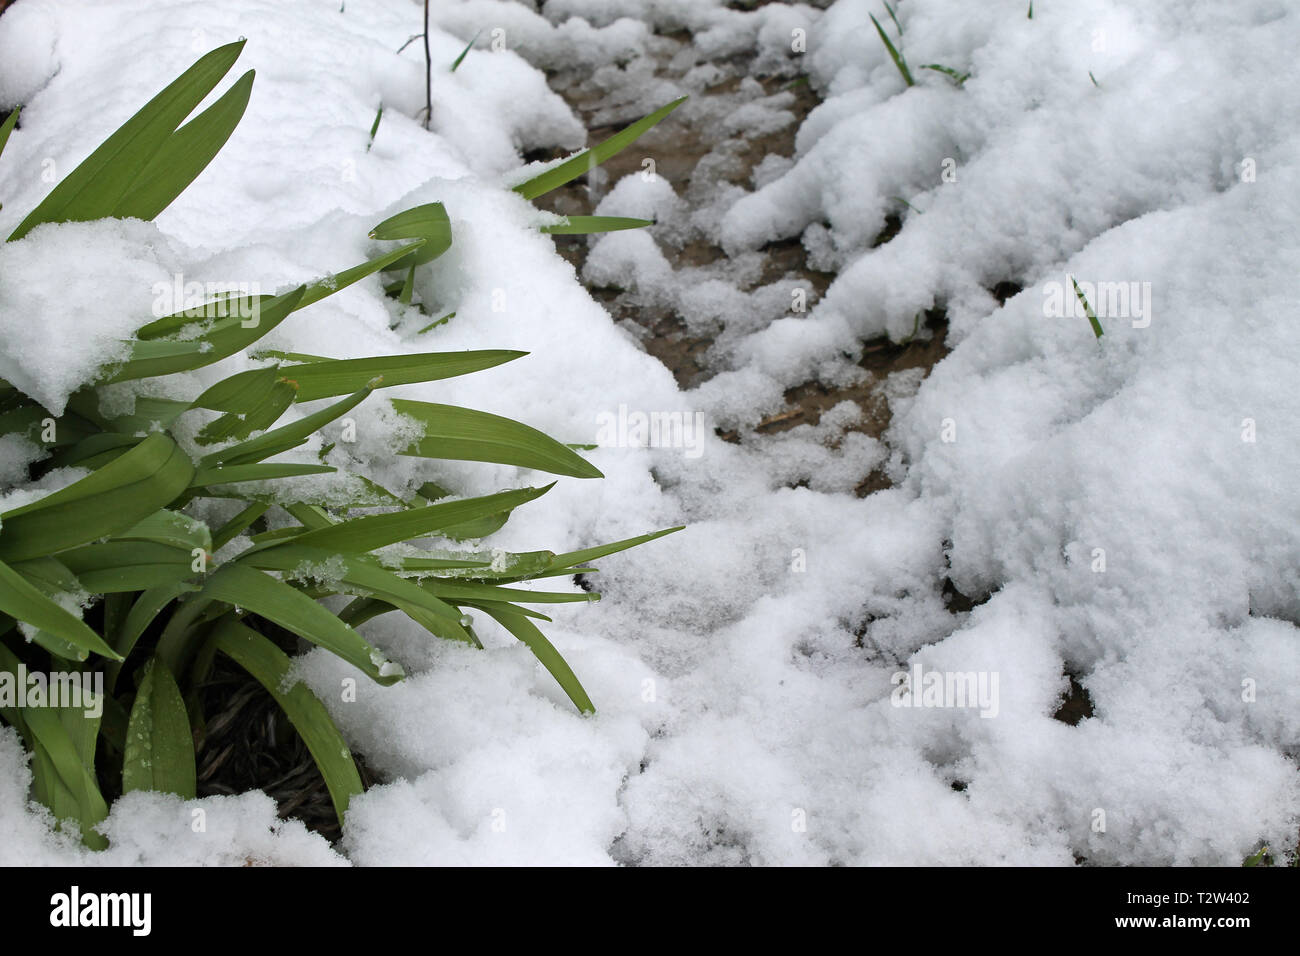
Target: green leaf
point(170, 528)
point(463, 53)
point(428, 222)
point(360, 535)
point(159, 746)
point(283, 438)
point(238, 524)
point(244, 587)
point(241, 392)
point(527, 632)
point(959, 79)
point(108, 501)
point(7, 127)
point(456, 591)
point(374, 127)
point(359, 572)
point(262, 471)
point(62, 744)
point(324, 288)
point(1083, 299)
point(226, 336)
point(576, 165)
point(111, 567)
point(94, 189)
point(185, 154)
point(24, 601)
point(585, 225)
point(146, 608)
point(270, 666)
point(571, 558)
point(465, 434)
point(894, 55)
point(340, 376)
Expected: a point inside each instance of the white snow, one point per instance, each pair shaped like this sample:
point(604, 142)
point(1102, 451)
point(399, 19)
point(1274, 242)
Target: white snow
point(743, 669)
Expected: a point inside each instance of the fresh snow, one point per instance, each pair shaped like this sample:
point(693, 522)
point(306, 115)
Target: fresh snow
point(743, 669)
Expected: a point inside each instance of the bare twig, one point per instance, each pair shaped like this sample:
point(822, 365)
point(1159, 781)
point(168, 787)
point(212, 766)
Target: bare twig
point(428, 71)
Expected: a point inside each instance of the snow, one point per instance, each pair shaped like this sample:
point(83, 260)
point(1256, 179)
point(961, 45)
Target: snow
point(1127, 506)
point(105, 275)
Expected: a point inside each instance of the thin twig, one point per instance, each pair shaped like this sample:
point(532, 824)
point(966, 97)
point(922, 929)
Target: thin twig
point(428, 71)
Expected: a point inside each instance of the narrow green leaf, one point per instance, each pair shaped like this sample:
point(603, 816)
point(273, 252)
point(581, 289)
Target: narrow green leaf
point(340, 376)
point(894, 55)
point(576, 165)
point(571, 558)
point(283, 438)
point(465, 52)
point(262, 471)
point(360, 535)
point(585, 225)
point(108, 501)
point(159, 746)
point(1092, 316)
point(244, 587)
point(324, 288)
point(94, 189)
point(143, 612)
point(24, 601)
point(374, 127)
point(62, 761)
point(527, 632)
point(185, 154)
point(465, 434)
point(270, 666)
point(225, 337)
point(7, 127)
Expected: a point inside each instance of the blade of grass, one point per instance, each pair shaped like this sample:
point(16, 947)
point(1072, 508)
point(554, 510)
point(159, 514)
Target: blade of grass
point(576, 165)
point(894, 55)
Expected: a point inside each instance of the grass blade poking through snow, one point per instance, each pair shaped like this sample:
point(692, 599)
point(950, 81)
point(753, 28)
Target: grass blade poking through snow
point(7, 127)
point(579, 163)
point(463, 53)
point(1092, 316)
point(374, 127)
point(893, 53)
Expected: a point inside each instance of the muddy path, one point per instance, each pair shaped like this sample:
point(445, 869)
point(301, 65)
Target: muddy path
point(701, 161)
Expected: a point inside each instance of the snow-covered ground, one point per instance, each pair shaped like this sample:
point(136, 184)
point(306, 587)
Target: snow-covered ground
point(1128, 505)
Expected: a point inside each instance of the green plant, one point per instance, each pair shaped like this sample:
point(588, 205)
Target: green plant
point(1092, 316)
point(123, 539)
point(958, 78)
point(570, 169)
point(894, 55)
